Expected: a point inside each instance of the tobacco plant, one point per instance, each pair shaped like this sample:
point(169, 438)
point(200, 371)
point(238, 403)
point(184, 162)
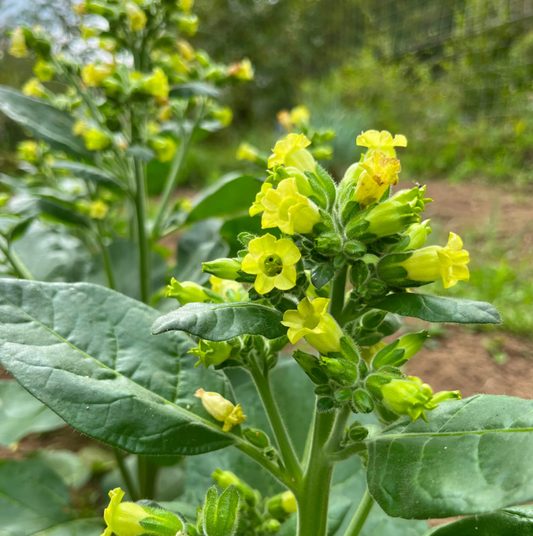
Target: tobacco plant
point(333, 269)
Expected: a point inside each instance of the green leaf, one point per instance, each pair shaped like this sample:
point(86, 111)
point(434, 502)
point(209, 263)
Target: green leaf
point(201, 243)
point(88, 173)
point(321, 275)
point(33, 499)
point(61, 212)
point(220, 513)
point(516, 521)
point(229, 195)
point(193, 89)
point(21, 414)
point(222, 321)
point(474, 456)
point(43, 120)
point(87, 353)
point(74, 472)
point(327, 184)
point(141, 151)
point(438, 308)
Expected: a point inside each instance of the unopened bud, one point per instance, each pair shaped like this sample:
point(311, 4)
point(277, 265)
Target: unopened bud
point(223, 268)
point(227, 478)
point(359, 274)
point(342, 395)
point(342, 371)
point(282, 505)
point(357, 432)
point(189, 292)
point(328, 244)
point(354, 249)
point(311, 366)
point(325, 404)
point(272, 526)
point(220, 514)
point(362, 401)
point(256, 437)
point(400, 351)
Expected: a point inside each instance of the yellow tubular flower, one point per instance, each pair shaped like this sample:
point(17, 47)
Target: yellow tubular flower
point(17, 46)
point(436, 262)
point(136, 17)
point(33, 88)
point(186, 49)
point(287, 209)
point(221, 409)
point(273, 261)
point(98, 210)
point(312, 321)
point(43, 71)
point(230, 291)
point(291, 151)
point(257, 206)
point(223, 115)
point(381, 141)
point(96, 140)
point(379, 172)
point(157, 85)
point(300, 116)
point(94, 75)
point(164, 147)
point(28, 151)
point(284, 119)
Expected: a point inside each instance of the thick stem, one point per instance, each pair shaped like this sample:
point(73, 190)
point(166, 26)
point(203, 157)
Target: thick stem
point(337, 293)
point(288, 454)
point(142, 237)
point(105, 255)
point(360, 515)
point(128, 482)
point(16, 262)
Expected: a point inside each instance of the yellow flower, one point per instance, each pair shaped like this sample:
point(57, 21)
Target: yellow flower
point(312, 321)
point(80, 128)
point(273, 261)
point(28, 151)
point(408, 397)
point(188, 292)
point(98, 210)
point(94, 75)
point(436, 262)
point(379, 172)
point(291, 152)
point(43, 71)
point(248, 152)
point(130, 519)
point(33, 88)
point(157, 85)
point(381, 141)
point(288, 502)
point(186, 49)
point(230, 291)
point(223, 115)
point(287, 209)
point(164, 147)
point(165, 113)
point(17, 47)
point(96, 140)
point(300, 116)
point(186, 5)
point(280, 506)
point(243, 70)
point(257, 206)
point(221, 409)
point(136, 17)
point(284, 119)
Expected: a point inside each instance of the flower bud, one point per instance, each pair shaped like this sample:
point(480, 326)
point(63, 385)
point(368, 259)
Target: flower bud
point(221, 409)
point(400, 351)
point(136, 17)
point(96, 140)
point(156, 84)
point(389, 217)
point(43, 70)
point(359, 274)
point(328, 244)
point(324, 152)
point(223, 115)
point(282, 505)
point(422, 266)
point(413, 238)
point(312, 321)
point(164, 147)
point(373, 319)
point(362, 401)
point(311, 366)
point(248, 152)
point(291, 151)
point(33, 88)
point(325, 404)
point(343, 395)
point(223, 268)
point(354, 249)
point(98, 210)
point(224, 479)
point(17, 45)
point(93, 75)
point(214, 353)
point(340, 370)
point(134, 519)
point(220, 514)
point(189, 292)
point(357, 432)
point(256, 437)
point(272, 526)
point(242, 71)
point(28, 151)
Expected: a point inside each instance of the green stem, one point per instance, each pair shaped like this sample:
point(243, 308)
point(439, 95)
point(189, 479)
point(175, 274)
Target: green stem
point(360, 515)
point(16, 262)
point(126, 475)
point(288, 454)
point(105, 255)
point(337, 293)
point(339, 428)
point(141, 214)
point(147, 477)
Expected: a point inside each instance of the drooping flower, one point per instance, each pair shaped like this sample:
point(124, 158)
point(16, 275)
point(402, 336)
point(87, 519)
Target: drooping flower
point(291, 151)
point(273, 261)
point(93, 75)
point(221, 409)
point(312, 321)
point(381, 141)
point(33, 88)
point(257, 206)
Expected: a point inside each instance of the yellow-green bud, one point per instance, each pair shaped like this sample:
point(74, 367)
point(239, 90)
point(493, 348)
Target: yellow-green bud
point(164, 147)
point(357, 432)
point(188, 23)
point(340, 370)
point(324, 152)
point(214, 353)
point(328, 244)
point(225, 479)
point(414, 238)
point(223, 268)
point(220, 514)
point(400, 351)
point(359, 274)
point(132, 519)
point(17, 47)
point(136, 17)
point(311, 366)
point(189, 292)
point(282, 505)
point(362, 402)
point(354, 249)
point(96, 140)
point(272, 526)
point(43, 70)
point(256, 437)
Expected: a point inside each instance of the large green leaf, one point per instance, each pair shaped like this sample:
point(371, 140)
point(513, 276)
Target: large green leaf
point(516, 521)
point(201, 243)
point(438, 308)
point(33, 499)
point(229, 195)
point(474, 456)
point(222, 321)
point(43, 120)
point(21, 414)
point(88, 173)
point(87, 353)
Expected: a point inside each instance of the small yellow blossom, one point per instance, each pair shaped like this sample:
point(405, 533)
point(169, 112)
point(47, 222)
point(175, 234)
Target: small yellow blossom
point(379, 172)
point(108, 44)
point(28, 151)
point(221, 409)
point(243, 70)
point(436, 262)
point(212, 353)
point(17, 47)
point(287, 209)
point(223, 115)
point(291, 151)
point(284, 119)
point(164, 147)
point(98, 210)
point(186, 49)
point(257, 206)
point(186, 5)
point(381, 141)
point(248, 152)
point(157, 85)
point(273, 261)
point(300, 116)
point(230, 291)
point(43, 71)
point(93, 75)
point(80, 128)
point(188, 292)
point(96, 140)
point(312, 321)
point(136, 17)
point(33, 88)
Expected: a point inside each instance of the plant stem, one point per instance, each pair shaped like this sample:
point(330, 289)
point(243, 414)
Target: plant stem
point(337, 293)
point(147, 477)
point(290, 459)
point(142, 237)
point(16, 262)
point(126, 475)
point(105, 255)
point(360, 515)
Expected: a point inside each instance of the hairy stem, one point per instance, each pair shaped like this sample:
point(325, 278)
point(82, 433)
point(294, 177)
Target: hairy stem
point(361, 515)
point(290, 459)
point(128, 482)
point(16, 262)
point(105, 256)
point(142, 237)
